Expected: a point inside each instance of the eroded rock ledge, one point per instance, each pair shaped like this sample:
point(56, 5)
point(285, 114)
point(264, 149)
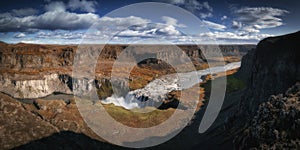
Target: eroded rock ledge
point(276, 124)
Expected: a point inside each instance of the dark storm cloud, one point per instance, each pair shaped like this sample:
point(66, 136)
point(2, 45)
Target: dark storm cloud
point(51, 20)
point(56, 16)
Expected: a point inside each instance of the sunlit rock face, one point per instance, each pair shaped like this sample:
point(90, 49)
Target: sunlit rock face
point(46, 85)
point(33, 88)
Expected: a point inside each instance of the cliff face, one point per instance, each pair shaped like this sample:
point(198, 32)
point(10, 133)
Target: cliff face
point(35, 57)
point(276, 123)
point(39, 58)
point(271, 68)
point(33, 71)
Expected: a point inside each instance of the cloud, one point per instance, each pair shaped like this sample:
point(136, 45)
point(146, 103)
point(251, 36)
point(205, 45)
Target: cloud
point(58, 18)
point(178, 2)
point(60, 35)
point(24, 12)
point(83, 5)
point(57, 6)
point(150, 30)
point(203, 10)
point(236, 25)
point(249, 29)
point(51, 20)
point(172, 21)
point(20, 35)
point(256, 18)
point(224, 17)
point(213, 25)
point(63, 20)
point(232, 36)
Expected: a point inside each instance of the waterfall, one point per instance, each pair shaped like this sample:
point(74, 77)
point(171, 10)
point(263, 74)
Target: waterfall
point(154, 93)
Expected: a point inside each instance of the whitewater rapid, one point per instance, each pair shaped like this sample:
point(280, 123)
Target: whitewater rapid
point(156, 90)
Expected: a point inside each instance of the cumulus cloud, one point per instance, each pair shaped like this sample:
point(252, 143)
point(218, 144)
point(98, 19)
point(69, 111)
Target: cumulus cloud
point(55, 6)
point(20, 35)
point(50, 20)
point(203, 10)
point(57, 17)
point(150, 30)
point(83, 5)
point(224, 17)
point(255, 18)
point(24, 12)
point(168, 28)
point(236, 25)
point(172, 21)
point(213, 25)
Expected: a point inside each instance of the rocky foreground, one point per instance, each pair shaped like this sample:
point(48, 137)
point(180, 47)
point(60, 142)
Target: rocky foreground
point(276, 123)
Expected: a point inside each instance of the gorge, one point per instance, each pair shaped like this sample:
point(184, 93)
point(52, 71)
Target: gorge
point(267, 106)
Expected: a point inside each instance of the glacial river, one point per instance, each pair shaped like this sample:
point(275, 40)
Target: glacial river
point(157, 89)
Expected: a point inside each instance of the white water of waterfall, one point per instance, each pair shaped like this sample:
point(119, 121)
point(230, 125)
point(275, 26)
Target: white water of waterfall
point(157, 89)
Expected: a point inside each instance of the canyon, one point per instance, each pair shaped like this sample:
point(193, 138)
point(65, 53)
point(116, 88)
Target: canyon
point(249, 116)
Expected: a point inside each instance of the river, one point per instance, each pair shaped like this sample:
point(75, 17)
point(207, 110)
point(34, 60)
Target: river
point(157, 89)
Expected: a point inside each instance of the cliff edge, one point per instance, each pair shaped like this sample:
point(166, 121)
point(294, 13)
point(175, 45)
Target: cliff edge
point(271, 68)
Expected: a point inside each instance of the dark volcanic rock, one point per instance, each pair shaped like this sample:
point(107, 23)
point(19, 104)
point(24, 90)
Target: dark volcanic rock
point(276, 124)
point(271, 68)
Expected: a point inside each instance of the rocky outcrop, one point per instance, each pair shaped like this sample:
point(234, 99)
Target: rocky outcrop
point(263, 121)
point(35, 57)
point(47, 85)
point(39, 58)
point(271, 68)
point(19, 126)
point(34, 88)
point(276, 124)
point(22, 123)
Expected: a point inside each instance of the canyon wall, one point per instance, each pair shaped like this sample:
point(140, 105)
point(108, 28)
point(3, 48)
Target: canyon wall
point(271, 68)
point(32, 70)
point(41, 58)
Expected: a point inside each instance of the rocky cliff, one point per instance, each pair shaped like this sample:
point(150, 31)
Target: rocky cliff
point(36, 58)
point(276, 124)
point(33, 71)
point(268, 112)
point(271, 68)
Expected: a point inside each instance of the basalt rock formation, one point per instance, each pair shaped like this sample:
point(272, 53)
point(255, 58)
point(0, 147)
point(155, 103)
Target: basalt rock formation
point(271, 68)
point(276, 124)
point(271, 121)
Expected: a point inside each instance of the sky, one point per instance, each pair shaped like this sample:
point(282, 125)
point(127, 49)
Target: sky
point(140, 21)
